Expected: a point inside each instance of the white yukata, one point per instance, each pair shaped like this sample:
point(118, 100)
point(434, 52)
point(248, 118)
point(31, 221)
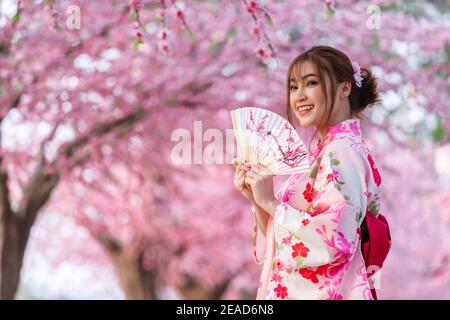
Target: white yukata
point(312, 249)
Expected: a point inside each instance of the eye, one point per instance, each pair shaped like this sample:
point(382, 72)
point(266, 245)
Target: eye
point(291, 87)
point(312, 82)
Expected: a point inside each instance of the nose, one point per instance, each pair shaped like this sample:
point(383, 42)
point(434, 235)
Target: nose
point(300, 94)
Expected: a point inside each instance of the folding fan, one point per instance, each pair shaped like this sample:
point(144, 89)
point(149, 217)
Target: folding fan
point(266, 138)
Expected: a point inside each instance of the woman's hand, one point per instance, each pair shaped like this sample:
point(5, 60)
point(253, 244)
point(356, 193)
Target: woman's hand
point(239, 179)
point(261, 184)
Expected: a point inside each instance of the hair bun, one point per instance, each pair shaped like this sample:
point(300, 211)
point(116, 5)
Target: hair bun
point(368, 94)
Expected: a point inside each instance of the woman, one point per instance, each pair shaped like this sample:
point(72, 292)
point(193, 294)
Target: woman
point(308, 234)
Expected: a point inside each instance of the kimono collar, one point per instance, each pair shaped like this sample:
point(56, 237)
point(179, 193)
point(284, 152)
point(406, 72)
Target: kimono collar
point(349, 128)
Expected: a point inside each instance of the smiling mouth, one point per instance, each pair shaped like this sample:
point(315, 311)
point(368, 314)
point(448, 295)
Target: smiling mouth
point(305, 108)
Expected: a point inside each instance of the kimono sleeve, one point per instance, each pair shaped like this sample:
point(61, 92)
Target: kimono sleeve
point(328, 232)
point(259, 241)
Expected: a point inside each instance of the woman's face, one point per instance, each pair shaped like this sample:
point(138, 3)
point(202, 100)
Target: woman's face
point(306, 95)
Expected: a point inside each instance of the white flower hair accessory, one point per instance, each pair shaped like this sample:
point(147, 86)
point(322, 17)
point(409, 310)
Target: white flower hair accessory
point(357, 74)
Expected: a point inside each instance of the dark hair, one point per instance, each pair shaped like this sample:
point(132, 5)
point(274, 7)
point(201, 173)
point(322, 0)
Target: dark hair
point(337, 66)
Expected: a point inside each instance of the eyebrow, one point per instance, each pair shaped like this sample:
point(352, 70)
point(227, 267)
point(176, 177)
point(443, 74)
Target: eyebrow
point(305, 76)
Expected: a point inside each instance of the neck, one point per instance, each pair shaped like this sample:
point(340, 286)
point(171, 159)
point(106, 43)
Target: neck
point(336, 120)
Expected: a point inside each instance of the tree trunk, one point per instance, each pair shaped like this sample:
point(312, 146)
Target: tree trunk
point(193, 289)
point(136, 282)
point(10, 258)
point(132, 277)
point(16, 225)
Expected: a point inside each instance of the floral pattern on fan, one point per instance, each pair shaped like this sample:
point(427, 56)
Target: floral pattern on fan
point(266, 138)
point(291, 157)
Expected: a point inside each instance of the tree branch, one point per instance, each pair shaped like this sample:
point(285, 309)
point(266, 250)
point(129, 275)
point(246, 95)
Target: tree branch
point(111, 245)
point(102, 129)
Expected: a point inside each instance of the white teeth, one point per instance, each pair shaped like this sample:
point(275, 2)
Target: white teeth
point(303, 108)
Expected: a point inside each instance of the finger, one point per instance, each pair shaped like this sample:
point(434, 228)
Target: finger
point(239, 185)
point(253, 172)
point(243, 167)
point(244, 186)
point(255, 169)
point(240, 174)
point(266, 172)
point(237, 161)
point(249, 180)
point(262, 171)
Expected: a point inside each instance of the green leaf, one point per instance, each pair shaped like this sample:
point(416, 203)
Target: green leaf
point(373, 46)
point(215, 47)
point(191, 35)
point(313, 173)
point(388, 7)
point(346, 197)
point(335, 162)
point(269, 20)
point(3, 91)
point(447, 54)
point(16, 18)
point(438, 131)
point(137, 43)
point(232, 32)
point(330, 13)
point(373, 208)
point(133, 15)
point(358, 216)
point(279, 247)
point(426, 64)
